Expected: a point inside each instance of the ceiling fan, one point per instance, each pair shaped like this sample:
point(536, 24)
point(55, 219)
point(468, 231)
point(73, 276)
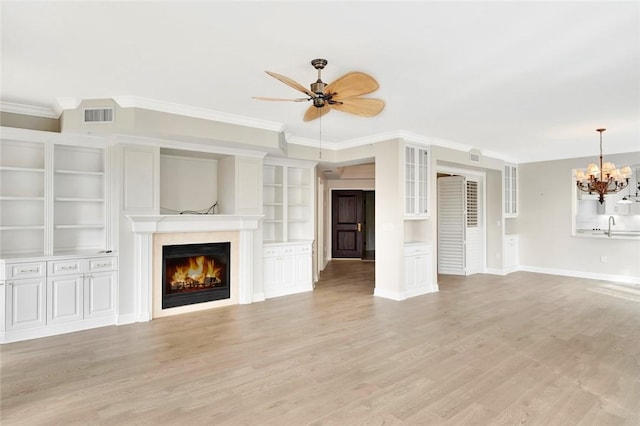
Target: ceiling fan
point(342, 95)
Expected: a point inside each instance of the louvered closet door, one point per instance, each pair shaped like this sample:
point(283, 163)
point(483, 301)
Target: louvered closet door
point(451, 225)
point(474, 236)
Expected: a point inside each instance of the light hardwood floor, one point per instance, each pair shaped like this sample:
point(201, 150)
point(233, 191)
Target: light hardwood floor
point(522, 349)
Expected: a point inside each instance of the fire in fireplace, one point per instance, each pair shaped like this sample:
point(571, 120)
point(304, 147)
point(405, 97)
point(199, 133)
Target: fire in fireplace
point(195, 273)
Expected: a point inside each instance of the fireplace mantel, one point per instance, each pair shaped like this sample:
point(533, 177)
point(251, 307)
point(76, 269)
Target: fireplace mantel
point(143, 228)
point(192, 222)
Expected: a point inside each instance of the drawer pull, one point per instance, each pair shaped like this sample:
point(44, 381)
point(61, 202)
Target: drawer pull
point(69, 268)
point(28, 271)
point(102, 265)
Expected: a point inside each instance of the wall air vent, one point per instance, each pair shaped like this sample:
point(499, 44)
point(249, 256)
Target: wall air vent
point(98, 115)
point(474, 155)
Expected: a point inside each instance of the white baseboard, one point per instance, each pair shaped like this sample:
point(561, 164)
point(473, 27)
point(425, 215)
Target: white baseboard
point(126, 319)
point(55, 329)
point(386, 294)
point(420, 291)
point(581, 274)
point(258, 297)
point(494, 271)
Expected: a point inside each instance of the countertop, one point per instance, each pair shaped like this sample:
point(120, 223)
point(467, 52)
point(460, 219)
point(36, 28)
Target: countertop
point(615, 233)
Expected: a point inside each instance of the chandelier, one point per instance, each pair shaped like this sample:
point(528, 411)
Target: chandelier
point(603, 180)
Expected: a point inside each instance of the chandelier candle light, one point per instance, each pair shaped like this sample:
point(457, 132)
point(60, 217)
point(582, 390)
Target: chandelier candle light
point(604, 180)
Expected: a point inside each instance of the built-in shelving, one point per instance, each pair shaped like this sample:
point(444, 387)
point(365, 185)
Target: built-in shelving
point(287, 202)
point(79, 198)
point(52, 194)
point(22, 196)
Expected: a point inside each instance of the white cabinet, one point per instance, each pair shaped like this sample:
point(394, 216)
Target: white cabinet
point(418, 269)
point(287, 269)
point(288, 201)
point(25, 307)
point(57, 295)
point(25, 295)
point(416, 178)
point(511, 248)
point(99, 294)
point(510, 190)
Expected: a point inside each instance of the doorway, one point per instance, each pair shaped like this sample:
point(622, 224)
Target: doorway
point(353, 224)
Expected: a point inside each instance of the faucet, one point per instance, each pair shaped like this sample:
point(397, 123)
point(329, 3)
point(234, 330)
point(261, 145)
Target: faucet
point(611, 219)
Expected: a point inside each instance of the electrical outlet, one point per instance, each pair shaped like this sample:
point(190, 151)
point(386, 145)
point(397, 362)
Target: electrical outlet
point(603, 259)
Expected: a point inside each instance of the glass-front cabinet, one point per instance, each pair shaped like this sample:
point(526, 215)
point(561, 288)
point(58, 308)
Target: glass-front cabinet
point(510, 190)
point(416, 171)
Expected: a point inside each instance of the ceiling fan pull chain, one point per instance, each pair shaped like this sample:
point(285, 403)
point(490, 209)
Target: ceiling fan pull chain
point(320, 121)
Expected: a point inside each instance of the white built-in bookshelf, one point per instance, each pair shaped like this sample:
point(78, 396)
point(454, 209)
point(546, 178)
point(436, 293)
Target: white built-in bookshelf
point(287, 202)
point(52, 195)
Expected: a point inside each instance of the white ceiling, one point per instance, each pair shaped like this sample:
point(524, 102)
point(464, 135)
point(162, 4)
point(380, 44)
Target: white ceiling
point(529, 80)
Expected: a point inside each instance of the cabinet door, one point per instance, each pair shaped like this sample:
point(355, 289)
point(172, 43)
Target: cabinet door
point(422, 182)
point(410, 268)
point(271, 276)
point(25, 304)
point(410, 180)
point(510, 191)
point(288, 268)
point(64, 299)
point(423, 271)
point(416, 181)
point(303, 272)
point(99, 294)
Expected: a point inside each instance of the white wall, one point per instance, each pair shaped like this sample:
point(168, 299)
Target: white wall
point(187, 184)
point(389, 219)
point(545, 224)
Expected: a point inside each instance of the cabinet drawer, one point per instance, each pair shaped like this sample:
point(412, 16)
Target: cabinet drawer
point(271, 252)
point(303, 249)
point(65, 267)
point(288, 250)
point(415, 250)
point(103, 264)
point(26, 270)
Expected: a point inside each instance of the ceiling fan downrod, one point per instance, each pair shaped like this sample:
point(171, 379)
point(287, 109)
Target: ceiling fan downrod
point(319, 85)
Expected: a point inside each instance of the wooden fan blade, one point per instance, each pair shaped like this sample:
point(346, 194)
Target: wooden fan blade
point(366, 107)
point(350, 85)
point(291, 83)
point(314, 112)
point(265, 98)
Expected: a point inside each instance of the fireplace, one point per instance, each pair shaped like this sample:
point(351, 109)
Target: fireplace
point(195, 273)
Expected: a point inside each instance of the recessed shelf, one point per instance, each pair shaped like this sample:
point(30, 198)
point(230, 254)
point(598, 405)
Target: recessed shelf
point(21, 169)
point(78, 226)
point(78, 172)
point(21, 227)
point(18, 198)
point(80, 200)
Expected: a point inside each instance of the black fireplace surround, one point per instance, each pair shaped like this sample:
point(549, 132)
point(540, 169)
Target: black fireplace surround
point(195, 273)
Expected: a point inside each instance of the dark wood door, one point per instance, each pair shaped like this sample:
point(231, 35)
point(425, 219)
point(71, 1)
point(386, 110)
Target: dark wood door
point(346, 224)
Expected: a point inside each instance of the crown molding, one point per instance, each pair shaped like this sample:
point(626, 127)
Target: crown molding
point(196, 112)
point(314, 143)
point(62, 104)
point(405, 135)
point(36, 111)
